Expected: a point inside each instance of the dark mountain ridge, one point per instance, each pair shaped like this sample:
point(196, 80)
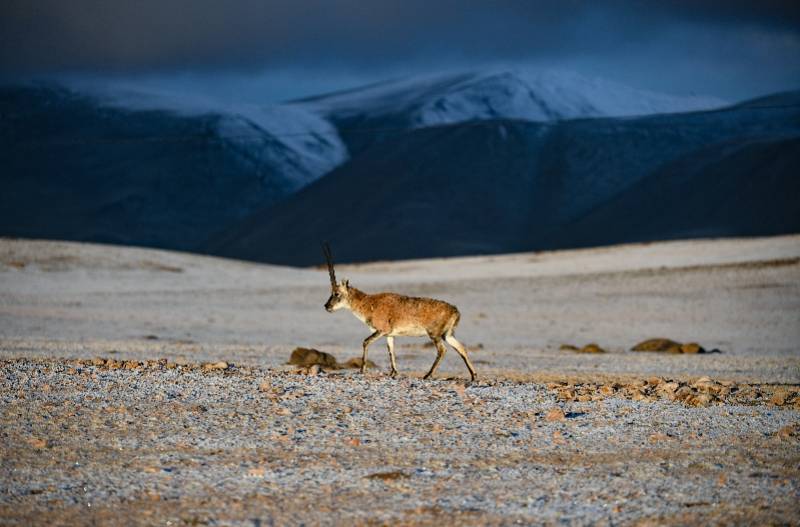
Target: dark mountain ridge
point(76, 169)
point(505, 186)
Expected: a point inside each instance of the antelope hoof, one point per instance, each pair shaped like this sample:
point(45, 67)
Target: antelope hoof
point(363, 370)
point(427, 376)
point(393, 374)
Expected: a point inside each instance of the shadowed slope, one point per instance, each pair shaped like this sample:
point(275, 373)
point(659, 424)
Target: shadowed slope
point(74, 168)
point(501, 186)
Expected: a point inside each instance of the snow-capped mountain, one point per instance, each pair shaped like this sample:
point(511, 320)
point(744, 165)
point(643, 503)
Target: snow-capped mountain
point(292, 143)
point(511, 185)
point(515, 94)
point(148, 169)
point(452, 164)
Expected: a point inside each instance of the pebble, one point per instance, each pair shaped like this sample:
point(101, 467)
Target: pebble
point(260, 443)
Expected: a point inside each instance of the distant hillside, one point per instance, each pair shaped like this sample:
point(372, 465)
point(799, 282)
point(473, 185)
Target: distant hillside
point(76, 167)
point(471, 163)
point(528, 95)
point(507, 185)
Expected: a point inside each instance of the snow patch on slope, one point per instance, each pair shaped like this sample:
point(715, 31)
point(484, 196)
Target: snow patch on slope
point(295, 144)
point(515, 94)
point(300, 144)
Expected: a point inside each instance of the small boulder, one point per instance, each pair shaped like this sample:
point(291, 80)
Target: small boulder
point(692, 348)
point(555, 414)
point(780, 397)
point(592, 348)
point(387, 476)
point(788, 432)
point(308, 357)
point(670, 346)
point(668, 388)
point(37, 443)
point(700, 400)
point(589, 348)
point(355, 363)
point(607, 389)
point(221, 365)
point(660, 345)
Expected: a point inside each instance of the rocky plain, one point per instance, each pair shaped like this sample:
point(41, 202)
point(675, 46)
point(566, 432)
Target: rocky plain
point(146, 387)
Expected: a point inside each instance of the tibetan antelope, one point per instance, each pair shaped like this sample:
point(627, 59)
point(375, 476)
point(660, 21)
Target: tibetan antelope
point(391, 315)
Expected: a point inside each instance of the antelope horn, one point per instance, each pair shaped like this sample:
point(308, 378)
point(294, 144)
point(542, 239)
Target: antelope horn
point(329, 258)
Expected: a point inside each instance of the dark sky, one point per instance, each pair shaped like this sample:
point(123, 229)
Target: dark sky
point(269, 50)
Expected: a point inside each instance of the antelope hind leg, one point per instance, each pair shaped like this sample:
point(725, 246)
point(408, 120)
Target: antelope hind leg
point(390, 345)
point(440, 351)
point(461, 350)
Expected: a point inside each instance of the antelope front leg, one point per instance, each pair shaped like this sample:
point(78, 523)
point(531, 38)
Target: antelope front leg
point(367, 341)
point(390, 344)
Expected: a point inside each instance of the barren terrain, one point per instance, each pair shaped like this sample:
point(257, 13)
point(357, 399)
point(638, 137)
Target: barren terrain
point(150, 387)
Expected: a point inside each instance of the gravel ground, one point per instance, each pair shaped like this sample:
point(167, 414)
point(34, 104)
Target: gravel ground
point(546, 436)
point(84, 444)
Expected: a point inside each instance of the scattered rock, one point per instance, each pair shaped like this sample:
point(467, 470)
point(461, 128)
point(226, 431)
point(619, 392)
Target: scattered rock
point(257, 472)
point(387, 476)
point(702, 392)
point(555, 414)
point(658, 437)
point(668, 387)
point(683, 393)
point(589, 348)
point(312, 370)
point(701, 399)
point(567, 394)
point(221, 365)
point(37, 443)
point(789, 431)
point(780, 397)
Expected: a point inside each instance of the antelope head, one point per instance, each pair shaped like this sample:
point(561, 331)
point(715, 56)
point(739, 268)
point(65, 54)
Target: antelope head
point(340, 293)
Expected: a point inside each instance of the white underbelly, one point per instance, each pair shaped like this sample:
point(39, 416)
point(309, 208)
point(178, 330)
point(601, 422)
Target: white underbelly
point(409, 331)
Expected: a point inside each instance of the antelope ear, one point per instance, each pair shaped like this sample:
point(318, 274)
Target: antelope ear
point(346, 284)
